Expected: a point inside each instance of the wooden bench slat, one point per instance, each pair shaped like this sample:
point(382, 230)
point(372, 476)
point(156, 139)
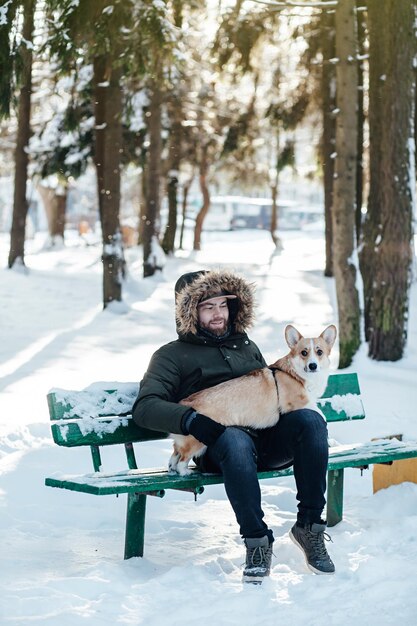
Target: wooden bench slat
point(342, 384)
point(117, 430)
point(93, 417)
point(340, 415)
point(370, 453)
point(143, 481)
point(357, 455)
point(98, 400)
point(341, 400)
point(102, 432)
point(104, 400)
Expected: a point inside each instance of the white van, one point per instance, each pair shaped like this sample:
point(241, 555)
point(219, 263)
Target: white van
point(257, 212)
point(231, 212)
point(236, 212)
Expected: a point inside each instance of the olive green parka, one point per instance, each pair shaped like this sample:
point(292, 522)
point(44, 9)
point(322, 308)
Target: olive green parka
point(195, 361)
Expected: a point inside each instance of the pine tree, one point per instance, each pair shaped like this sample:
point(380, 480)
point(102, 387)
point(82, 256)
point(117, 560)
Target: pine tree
point(344, 191)
point(387, 232)
point(17, 75)
point(328, 104)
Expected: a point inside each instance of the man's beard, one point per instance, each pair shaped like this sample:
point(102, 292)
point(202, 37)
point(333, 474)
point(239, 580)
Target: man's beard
point(217, 331)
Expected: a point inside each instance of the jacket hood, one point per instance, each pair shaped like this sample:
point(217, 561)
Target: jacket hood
point(194, 287)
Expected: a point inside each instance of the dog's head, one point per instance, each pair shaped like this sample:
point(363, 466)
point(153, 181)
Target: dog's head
point(310, 356)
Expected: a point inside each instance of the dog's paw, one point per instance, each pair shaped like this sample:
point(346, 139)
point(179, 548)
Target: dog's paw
point(173, 464)
point(183, 469)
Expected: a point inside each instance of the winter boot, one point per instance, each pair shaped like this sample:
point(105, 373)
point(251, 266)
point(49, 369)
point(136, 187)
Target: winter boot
point(310, 539)
point(258, 559)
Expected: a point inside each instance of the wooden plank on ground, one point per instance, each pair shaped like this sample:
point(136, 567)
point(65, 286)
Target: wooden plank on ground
point(384, 476)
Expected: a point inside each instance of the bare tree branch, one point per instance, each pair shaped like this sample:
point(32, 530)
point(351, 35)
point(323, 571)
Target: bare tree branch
point(293, 3)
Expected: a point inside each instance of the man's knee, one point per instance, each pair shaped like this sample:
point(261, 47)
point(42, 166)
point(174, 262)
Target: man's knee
point(235, 445)
point(308, 419)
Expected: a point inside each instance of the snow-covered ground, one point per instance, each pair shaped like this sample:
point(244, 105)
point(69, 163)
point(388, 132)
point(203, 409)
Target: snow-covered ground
point(61, 552)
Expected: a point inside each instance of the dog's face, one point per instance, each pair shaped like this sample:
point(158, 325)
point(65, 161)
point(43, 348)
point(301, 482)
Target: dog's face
point(310, 356)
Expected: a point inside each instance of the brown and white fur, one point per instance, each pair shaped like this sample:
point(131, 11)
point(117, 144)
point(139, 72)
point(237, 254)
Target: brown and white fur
point(257, 399)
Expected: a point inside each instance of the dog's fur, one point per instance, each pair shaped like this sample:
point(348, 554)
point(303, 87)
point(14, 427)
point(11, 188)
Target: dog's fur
point(256, 399)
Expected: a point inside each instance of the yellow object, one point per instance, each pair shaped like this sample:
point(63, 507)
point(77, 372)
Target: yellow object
point(399, 472)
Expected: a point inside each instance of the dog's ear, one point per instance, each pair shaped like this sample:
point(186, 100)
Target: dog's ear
point(329, 335)
point(292, 336)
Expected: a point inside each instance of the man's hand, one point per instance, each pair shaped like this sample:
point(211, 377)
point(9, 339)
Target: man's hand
point(202, 428)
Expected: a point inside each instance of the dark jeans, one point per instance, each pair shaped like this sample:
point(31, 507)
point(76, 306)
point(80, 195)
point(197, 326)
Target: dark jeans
point(299, 439)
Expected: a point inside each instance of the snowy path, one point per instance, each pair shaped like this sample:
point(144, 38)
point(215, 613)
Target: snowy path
point(61, 553)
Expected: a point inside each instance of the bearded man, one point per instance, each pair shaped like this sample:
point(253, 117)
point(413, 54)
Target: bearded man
point(214, 309)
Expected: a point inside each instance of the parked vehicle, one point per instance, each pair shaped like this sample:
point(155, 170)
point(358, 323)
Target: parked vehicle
point(236, 212)
point(308, 217)
point(256, 213)
point(233, 212)
point(230, 212)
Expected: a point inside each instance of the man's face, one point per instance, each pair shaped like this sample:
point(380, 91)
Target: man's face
point(213, 315)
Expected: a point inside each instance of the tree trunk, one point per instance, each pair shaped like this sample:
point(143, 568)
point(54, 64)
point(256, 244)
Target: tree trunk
point(175, 150)
point(387, 233)
point(185, 190)
point(203, 170)
point(274, 212)
point(108, 149)
point(58, 228)
point(144, 193)
point(273, 227)
point(100, 127)
point(361, 121)
point(328, 94)
point(168, 242)
point(377, 68)
point(151, 225)
point(55, 203)
point(345, 182)
point(20, 204)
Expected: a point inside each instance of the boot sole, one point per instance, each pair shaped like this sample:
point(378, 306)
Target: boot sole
point(253, 580)
point(310, 567)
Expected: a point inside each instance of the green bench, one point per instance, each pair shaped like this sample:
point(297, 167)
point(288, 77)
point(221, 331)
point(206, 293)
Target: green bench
point(99, 416)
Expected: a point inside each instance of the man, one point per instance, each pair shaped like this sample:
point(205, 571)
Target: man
point(213, 311)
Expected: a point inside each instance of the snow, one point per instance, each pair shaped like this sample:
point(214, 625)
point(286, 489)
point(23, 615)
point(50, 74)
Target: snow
point(115, 248)
point(61, 556)
point(96, 395)
point(3, 12)
point(347, 403)
point(156, 256)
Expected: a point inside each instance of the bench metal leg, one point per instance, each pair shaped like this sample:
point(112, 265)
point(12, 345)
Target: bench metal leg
point(135, 525)
point(334, 497)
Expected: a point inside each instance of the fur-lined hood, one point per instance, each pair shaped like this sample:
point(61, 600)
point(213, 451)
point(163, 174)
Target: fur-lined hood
point(191, 288)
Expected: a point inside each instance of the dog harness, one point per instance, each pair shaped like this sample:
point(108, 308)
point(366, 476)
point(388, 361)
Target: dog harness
point(275, 369)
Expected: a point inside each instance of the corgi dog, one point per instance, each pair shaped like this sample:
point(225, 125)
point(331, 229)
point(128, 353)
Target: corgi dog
point(257, 399)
